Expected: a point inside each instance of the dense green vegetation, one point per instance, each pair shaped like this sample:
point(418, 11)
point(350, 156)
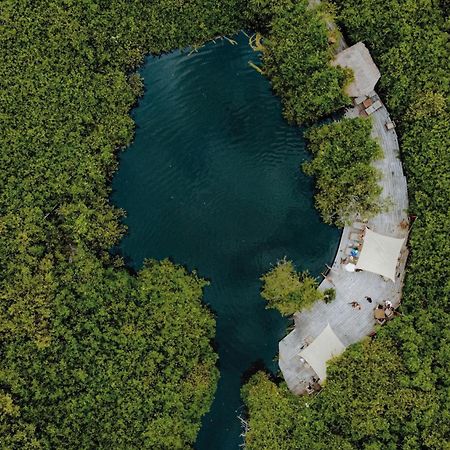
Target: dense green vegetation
point(92, 356)
point(287, 290)
point(391, 392)
point(345, 179)
point(95, 357)
point(380, 395)
point(122, 368)
point(416, 82)
point(296, 60)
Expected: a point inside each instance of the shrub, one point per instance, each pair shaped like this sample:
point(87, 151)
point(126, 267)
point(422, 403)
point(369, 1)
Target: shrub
point(297, 61)
point(346, 182)
point(329, 295)
point(287, 290)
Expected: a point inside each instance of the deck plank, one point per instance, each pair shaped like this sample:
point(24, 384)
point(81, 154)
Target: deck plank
point(352, 325)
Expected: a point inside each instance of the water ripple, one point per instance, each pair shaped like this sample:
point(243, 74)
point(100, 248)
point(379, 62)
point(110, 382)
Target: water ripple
point(212, 181)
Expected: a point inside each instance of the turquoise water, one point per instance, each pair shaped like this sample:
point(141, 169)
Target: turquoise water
point(213, 182)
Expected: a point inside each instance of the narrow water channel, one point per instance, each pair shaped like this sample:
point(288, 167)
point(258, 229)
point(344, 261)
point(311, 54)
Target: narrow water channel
point(212, 181)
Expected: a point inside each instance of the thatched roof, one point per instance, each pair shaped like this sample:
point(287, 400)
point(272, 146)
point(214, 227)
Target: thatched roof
point(366, 73)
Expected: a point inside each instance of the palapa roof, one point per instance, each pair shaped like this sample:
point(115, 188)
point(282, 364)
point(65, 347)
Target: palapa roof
point(366, 73)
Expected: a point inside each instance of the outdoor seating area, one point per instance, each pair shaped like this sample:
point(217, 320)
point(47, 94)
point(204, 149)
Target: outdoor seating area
point(390, 125)
point(367, 272)
point(353, 314)
point(384, 312)
point(355, 242)
point(380, 254)
point(373, 106)
point(367, 250)
point(313, 386)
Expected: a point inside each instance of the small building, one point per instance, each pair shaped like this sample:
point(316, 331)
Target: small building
point(366, 73)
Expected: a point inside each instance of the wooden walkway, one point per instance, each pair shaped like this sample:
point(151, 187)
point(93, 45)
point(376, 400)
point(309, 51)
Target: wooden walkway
point(352, 325)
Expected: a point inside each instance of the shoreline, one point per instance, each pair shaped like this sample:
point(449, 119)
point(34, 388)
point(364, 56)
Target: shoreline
point(352, 325)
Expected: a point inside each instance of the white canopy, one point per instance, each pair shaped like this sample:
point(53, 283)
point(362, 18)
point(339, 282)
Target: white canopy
point(366, 73)
point(326, 346)
point(379, 254)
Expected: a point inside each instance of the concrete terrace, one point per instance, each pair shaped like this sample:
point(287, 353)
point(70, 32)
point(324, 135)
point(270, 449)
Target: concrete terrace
point(351, 325)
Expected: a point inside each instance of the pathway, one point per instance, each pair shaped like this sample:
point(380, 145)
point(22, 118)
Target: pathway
point(352, 325)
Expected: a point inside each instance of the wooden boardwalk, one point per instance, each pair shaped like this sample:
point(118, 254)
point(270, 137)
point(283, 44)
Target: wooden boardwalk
point(352, 325)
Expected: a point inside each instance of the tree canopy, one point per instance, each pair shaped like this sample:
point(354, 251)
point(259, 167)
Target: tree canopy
point(129, 364)
point(380, 394)
point(346, 182)
point(93, 356)
point(390, 392)
point(409, 41)
point(297, 59)
point(287, 290)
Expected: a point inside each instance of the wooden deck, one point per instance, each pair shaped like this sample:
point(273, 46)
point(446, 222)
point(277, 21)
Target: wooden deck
point(351, 325)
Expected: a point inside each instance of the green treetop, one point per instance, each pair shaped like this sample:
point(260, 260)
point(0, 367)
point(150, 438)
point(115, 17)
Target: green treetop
point(287, 290)
point(296, 58)
point(346, 182)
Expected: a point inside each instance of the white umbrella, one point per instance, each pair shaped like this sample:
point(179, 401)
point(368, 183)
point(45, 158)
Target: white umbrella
point(350, 267)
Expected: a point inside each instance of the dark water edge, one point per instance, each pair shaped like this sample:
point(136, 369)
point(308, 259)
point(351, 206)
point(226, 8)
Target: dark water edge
point(212, 181)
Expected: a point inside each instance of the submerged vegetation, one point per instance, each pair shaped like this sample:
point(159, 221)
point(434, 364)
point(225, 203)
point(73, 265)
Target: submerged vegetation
point(345, 179)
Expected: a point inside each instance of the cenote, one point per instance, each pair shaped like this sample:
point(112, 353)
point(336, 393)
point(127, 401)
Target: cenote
point(212, 181)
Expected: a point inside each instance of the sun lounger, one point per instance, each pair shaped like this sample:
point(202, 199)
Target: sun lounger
point(348, 251)
point(356, 236)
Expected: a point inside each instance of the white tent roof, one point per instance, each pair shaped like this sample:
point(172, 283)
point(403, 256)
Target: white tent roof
point(326, 346)
point(379, 254)
point(366, 73)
